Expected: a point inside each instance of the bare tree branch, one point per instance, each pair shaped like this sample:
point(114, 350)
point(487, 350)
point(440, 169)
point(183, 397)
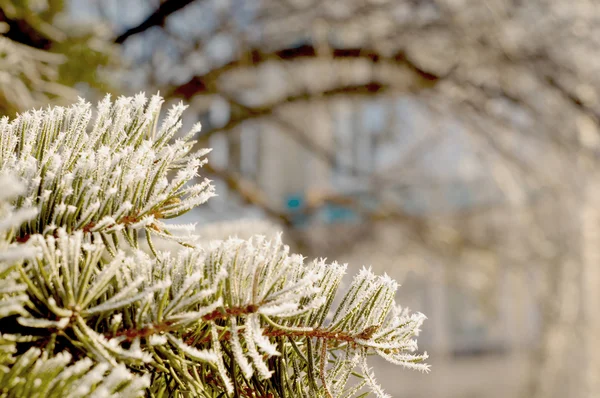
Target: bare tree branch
point(199, 84)
point(157, 18)
point(21, 31)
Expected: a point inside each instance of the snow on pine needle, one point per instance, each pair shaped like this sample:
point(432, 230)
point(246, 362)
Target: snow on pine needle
point(113, 174)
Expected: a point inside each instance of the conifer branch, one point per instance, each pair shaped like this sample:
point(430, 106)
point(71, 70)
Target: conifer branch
point(234, 317)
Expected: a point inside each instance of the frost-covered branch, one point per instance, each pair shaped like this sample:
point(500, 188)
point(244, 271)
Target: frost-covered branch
point(109, 176)
point(235, 317)
point(36, 372)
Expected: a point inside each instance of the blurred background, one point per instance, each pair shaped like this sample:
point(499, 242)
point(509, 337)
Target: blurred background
point(453, 144)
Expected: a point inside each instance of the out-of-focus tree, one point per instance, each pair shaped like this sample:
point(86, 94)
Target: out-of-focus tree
point(43, 55)
point(463, 131)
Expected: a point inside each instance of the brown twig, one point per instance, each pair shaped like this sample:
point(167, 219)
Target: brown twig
point(125, 220)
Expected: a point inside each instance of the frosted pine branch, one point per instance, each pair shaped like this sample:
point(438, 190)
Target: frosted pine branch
point(109, 175)
point(82, 315)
